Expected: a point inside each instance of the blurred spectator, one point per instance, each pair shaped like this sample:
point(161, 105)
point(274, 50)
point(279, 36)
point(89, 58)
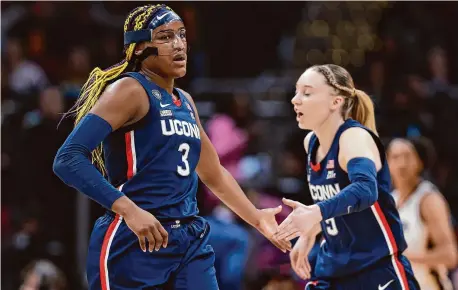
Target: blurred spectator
point(440, 82)
point(227, 131)
point(43, 275)
point(377, 86)
point(41, 129)
point(77, 72)
point(24, 245)
point(26, 76)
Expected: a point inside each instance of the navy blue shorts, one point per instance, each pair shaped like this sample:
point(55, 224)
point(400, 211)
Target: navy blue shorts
point(390, 273)
point(115, 260)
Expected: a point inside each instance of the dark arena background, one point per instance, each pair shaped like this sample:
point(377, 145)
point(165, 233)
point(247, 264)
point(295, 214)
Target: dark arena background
point(244, 60)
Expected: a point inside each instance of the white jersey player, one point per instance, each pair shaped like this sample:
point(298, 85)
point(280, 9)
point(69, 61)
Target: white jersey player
point(424, 213)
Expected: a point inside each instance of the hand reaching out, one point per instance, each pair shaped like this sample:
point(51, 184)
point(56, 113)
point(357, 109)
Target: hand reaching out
point(268, 227)
point(299, 222)
point(299, 256)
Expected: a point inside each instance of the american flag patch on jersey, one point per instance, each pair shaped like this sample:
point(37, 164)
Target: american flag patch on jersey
point(330, 164)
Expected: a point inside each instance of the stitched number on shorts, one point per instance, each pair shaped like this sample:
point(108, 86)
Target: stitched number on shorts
point(331, 227)
point(184, 149)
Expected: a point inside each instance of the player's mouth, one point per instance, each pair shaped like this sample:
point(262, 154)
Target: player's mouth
point(180, 59)
point(299, 116)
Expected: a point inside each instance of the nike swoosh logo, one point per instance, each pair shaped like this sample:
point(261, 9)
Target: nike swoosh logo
point(162, 16)
point(384, 286)
point(163, 106)
point(349, 209)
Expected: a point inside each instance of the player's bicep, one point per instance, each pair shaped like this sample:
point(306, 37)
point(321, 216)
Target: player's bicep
point(356, 143)
point(120, 102)
point(209, 166)
point(436, 214)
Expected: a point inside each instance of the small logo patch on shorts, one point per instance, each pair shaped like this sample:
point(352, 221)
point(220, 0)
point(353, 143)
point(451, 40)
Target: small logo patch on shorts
point(176, 225)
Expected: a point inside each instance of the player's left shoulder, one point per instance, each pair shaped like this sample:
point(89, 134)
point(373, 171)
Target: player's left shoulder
point(433, 199)
point(358, 142)
point(358, 132)
point(187, 95)
point(355, 136)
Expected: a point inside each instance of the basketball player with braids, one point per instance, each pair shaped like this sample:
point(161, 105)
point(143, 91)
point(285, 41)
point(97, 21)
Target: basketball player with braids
point(424, 212)
point(349, 182)
point(153, 148)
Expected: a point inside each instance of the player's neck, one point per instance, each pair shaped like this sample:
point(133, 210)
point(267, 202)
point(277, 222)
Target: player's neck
point(165, 83)
point(326, 132)
point(406, 188)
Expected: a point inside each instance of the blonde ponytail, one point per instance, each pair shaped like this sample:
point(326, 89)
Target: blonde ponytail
point(363, 110)
point(358, 105)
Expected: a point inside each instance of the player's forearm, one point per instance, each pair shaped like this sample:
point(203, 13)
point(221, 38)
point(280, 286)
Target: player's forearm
point(124, 206)
point(224, 186)
point(359, 195)
point(73, 166)
point(439, 255)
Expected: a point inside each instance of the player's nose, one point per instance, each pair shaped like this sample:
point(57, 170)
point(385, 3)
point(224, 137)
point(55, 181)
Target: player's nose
point(178, 43)
point(295, 100)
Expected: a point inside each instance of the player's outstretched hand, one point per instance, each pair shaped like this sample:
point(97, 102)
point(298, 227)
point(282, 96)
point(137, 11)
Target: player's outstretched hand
point(268, 227)
point(147, 227)
point(299, 256)
point(299, 222)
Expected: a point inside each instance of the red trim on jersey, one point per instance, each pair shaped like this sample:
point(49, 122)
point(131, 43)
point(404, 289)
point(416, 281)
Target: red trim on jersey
point(315, 167)
point(393, 244)
point(177, 102)
point(387, 228)
point(104, 253)
point(403, 273)
point(130, 159)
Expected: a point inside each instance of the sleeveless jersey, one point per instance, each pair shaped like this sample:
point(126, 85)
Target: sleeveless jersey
point(417, 237)
point(153, 161)
point(357, 240)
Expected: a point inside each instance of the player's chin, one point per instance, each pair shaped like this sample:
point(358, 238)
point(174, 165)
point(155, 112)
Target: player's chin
point(303, 126)
point(178, 72)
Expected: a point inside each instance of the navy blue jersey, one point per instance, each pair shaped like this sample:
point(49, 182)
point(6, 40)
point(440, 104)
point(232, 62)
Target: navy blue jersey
point(153, 161)
point(355, 241)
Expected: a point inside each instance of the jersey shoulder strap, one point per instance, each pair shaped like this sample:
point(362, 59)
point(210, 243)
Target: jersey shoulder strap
point(312, 142)
point(138, 76)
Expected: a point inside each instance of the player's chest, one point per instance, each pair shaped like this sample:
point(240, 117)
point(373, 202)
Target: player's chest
point(175, 128)
point(177, 123)
point(327, 180)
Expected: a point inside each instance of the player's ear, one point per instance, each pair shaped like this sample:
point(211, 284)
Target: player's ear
point(337, 102)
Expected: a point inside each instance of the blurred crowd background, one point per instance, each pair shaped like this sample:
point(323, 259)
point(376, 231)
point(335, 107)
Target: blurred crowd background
point(244, 61)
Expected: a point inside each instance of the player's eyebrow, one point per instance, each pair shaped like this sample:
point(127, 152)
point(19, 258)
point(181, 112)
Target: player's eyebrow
point(304, 86)
point(171, 30)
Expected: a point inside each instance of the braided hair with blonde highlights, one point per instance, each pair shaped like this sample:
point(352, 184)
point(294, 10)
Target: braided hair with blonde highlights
point(357, 104)
point(98, 79)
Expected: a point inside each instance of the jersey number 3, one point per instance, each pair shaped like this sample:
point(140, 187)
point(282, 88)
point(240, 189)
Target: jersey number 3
point(331, 227)
point(184, 170)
